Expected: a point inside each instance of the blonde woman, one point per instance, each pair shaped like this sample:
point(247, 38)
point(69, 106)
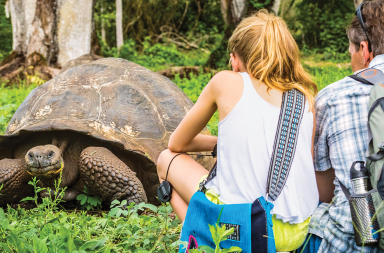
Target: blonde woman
point(265, 62)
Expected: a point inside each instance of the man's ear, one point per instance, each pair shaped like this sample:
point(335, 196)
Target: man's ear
point(367, 56)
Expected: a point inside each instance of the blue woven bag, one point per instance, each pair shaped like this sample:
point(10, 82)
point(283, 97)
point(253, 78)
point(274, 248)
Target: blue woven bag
point(252, 222)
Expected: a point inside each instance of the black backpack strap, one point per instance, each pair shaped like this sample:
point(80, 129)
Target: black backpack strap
point(360, 79)
point(212, 172)
point(345, 190)
point(369, 76)
point(287, 133)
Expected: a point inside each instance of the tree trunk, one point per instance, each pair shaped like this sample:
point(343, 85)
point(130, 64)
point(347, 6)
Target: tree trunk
point(233, 10)
point(119, 23)
point(47, 32)
point(357, 3)
point(40, 33)
point(103, 34)
point(74, 29)
point(276, 7)
point(238, 8)
point(227, 17)
point(22, 15)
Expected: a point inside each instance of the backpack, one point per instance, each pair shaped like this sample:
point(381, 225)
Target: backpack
point(375, 150)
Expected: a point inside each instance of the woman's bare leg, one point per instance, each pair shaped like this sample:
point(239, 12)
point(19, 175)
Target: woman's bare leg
point(184, 175)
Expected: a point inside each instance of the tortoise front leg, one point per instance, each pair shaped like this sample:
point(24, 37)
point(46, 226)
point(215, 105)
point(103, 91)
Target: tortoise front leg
point(14, 178)
point(108, 177)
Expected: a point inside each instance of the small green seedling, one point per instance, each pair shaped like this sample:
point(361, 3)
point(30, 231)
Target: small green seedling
point(89, 201)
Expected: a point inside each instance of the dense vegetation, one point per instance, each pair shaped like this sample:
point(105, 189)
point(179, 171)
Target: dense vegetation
point(48, 228)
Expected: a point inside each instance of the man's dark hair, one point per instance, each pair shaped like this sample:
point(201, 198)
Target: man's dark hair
point(373, 16)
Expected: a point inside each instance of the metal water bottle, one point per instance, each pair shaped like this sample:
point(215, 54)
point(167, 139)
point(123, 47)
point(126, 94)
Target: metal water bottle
point(360, 179)
point(362, 207)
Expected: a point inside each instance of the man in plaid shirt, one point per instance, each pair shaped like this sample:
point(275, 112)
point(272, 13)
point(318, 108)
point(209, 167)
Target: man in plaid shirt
point(342, 134)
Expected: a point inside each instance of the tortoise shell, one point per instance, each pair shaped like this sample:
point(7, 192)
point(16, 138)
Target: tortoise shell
point(110, 99)
point(80, 61)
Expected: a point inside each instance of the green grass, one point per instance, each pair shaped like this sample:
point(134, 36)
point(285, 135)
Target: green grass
point(10, 99)
point(326, 75)
point(46, 228)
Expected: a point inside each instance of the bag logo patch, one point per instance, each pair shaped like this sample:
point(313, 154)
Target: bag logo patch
point(235, 236)
point(368, 73)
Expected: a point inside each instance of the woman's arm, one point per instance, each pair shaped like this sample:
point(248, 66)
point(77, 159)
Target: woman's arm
point(186, 137)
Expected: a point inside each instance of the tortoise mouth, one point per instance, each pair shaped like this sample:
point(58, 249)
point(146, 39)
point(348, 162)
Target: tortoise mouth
point(47, 171)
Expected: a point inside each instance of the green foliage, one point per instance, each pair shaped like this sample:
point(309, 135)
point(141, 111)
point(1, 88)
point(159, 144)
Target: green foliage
point(189, 24)
point(323, 25)
point(193, 87)
point(120, 208)
point(46, 228)
point(49, 204)
point(157, 56)
point(257, 4)
point(5, 32)
point(324, 76)
point(10, 99)
point(89, 201)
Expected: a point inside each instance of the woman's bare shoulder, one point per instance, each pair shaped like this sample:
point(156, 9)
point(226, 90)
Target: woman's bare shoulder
point(225, 79)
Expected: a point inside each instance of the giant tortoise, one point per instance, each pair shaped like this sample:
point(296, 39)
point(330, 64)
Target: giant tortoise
point(103, 124)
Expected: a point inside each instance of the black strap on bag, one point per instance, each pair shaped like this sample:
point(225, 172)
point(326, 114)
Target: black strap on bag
point(291, 114)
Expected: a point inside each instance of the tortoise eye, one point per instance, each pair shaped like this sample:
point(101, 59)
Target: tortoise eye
point(50, 154)
point(30, 154)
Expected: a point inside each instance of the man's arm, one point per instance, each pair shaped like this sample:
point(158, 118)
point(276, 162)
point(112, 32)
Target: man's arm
point(325, 184)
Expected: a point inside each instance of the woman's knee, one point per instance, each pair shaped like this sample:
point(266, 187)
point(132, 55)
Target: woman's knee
point(163, 162)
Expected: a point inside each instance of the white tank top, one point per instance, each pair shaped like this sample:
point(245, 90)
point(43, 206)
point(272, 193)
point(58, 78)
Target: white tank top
point(245, 145)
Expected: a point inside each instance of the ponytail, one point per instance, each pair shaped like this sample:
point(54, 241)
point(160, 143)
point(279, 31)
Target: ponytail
point(270, 54)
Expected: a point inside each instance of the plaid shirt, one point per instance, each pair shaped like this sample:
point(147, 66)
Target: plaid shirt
point(341, 138)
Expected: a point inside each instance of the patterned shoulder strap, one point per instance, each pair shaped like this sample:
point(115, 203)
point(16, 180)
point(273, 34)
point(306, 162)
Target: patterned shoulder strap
point(291, 114)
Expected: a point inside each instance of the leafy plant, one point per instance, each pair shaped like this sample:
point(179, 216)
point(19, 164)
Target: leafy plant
point(47, 229)
point(50, 203)
point(88, 200)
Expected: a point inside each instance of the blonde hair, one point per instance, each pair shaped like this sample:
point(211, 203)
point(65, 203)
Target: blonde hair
point(270, 54)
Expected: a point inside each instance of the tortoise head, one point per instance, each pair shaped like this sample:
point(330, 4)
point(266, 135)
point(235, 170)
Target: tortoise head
point(44, 161)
